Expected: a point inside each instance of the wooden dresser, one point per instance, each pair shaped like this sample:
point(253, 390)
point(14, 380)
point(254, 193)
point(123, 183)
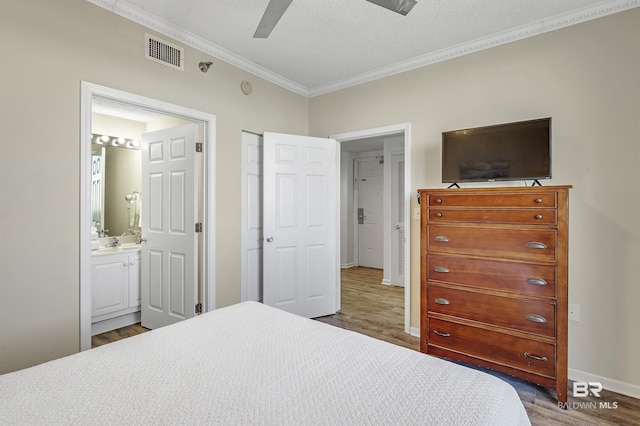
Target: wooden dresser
point(494, 279)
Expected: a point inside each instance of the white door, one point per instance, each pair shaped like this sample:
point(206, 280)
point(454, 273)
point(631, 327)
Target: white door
point(251, 218)
point(370, 175)
point(169, 262)
point(397, 220)
point(300, 253)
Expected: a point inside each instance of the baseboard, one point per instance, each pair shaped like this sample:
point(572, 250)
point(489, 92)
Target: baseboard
point(347, 265)
point(113, 323)
point(386, 281)
point(607, 383)
point(414, 331)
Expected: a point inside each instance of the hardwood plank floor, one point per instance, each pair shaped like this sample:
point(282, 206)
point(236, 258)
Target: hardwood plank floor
point(370, 308)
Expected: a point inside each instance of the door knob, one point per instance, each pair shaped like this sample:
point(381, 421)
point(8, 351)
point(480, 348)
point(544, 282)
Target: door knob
point(269, 239)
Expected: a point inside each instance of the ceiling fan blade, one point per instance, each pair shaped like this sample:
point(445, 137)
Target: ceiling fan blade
point(399, 6)
point(273, 13)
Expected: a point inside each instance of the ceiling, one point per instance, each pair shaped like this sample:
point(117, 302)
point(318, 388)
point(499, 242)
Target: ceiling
point(320, 46)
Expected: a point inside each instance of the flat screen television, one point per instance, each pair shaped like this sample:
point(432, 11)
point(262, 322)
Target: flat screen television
point(511, 151)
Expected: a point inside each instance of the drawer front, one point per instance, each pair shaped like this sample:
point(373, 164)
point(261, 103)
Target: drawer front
point(518, 352)
point(524, 216)
point(513, 277)
point(543, 199)
point(510, 243)
point(525, 315)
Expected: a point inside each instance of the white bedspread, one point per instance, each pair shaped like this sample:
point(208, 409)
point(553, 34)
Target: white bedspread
point(252, 364)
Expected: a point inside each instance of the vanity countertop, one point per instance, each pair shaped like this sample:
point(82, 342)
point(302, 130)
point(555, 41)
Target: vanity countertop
point(121, 249)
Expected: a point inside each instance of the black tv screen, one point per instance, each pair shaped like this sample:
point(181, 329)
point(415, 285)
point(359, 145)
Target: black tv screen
point(512, 151)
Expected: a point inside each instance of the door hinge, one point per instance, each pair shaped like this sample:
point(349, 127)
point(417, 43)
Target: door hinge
point(198, 308)
point(198, 227)
point(198, 146)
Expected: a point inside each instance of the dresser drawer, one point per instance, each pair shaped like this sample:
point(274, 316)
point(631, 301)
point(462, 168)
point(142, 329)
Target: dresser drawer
point(510, 243)
point(543, 199)
point(530, 316)
point(513, 351)
point(514, 277)
point(523, 216)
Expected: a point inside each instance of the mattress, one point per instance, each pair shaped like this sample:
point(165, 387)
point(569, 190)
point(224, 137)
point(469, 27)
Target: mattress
point(252, 364)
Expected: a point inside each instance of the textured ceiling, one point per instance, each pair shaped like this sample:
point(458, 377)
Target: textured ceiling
point(323, 45)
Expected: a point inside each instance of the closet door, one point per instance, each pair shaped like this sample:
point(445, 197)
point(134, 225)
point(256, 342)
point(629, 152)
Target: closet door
point(300, 219)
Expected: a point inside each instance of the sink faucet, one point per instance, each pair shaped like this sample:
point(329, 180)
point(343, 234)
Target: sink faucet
point(115, 242)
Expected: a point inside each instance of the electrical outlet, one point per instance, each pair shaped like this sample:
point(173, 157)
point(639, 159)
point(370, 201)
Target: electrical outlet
point(574, 312)
point(416, 213)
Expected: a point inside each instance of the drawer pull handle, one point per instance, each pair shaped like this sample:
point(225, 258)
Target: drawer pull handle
point(538, 200)
point(535, 318)
point(438, 214)
point(442, 269)
point(536, 281)
point(537, 358)
point(538, 216)
point(441, 301)
point(441, 239)
point(439, 333)
point(535, 245)
point(438, 201)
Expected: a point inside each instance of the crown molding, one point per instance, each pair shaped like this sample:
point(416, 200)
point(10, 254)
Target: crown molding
point(141, 17)
point(520, 33)
point(551, 24)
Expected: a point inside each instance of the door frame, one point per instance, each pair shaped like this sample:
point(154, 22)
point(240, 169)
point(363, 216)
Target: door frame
point(87, 92)
point(404, 128)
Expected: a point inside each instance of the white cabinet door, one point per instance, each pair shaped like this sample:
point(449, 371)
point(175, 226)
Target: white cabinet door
point(134, 281)
point(109, 285)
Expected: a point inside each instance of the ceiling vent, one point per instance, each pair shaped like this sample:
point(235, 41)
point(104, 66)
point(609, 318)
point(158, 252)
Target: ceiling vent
point(163, 52)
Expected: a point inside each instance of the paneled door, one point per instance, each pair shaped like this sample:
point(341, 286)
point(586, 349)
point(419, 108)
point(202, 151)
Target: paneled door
point(169, 209)
point(300, 226)
point(251, 218)
point(370, 215)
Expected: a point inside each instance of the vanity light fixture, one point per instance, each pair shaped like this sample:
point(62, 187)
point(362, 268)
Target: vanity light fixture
point(115, 141)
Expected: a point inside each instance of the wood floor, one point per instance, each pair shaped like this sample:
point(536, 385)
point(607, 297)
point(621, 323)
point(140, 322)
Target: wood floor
point(376, 310)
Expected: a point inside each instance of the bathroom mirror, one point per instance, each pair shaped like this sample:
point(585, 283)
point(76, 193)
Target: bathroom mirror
point(116, 189)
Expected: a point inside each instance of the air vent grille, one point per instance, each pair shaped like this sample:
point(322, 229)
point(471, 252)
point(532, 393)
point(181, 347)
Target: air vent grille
point(163, 52)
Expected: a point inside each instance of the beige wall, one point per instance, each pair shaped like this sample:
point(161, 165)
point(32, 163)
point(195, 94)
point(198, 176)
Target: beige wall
point(49, 48)
point(586, 78)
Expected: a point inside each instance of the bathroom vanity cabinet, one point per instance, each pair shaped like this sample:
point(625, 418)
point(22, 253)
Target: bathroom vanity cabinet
point(115, 290)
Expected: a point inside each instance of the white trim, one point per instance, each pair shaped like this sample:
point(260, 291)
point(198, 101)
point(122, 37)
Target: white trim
point(544, 26)
point(179, 34)
point(347, 265)
point(87, 92)
point(414, 331)
point(553, 23)
point(613, 385)
point(382, 131)
point(114, 323)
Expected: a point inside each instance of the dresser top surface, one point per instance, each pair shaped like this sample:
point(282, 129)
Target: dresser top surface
point(504, 189)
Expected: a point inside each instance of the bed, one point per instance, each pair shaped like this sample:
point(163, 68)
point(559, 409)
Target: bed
point(253, 364)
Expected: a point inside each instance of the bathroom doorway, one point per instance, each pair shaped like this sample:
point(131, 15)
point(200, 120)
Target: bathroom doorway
point(91, 95)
